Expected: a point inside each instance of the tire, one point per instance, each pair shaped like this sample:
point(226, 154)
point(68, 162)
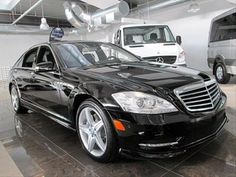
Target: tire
point(221, 74)
point(102, 134)
point(15, 99)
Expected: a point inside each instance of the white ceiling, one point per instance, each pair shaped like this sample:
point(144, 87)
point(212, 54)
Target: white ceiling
point(54, 8)
point(8, 4)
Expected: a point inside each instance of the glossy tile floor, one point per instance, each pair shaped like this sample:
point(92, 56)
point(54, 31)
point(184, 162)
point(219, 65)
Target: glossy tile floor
point(41, 147)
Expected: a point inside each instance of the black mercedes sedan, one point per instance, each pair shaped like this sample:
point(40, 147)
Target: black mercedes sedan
point(116, 102)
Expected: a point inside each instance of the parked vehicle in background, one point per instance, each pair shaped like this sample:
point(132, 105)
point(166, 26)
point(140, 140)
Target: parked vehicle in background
point(222, 46)
point(151, 42)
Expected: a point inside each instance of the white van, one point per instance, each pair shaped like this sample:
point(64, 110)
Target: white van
point(222, 46)
point(151, 42)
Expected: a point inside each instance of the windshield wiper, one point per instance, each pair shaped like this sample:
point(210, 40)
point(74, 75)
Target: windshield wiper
point(133, 46)
point(169, 44)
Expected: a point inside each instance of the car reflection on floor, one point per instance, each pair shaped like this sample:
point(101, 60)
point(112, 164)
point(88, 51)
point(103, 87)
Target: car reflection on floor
point(42, 147)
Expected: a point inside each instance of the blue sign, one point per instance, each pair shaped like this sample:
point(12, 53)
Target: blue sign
point(56, 34)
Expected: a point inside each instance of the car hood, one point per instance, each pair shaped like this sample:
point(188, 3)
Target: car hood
point(141, 76)
point(158, 49)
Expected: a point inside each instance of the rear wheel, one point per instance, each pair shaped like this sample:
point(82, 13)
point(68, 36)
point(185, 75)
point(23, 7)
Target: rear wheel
point(221, 73)
point(15, 99)
point(95, 132)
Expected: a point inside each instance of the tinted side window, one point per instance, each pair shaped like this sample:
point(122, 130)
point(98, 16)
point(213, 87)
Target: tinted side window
point(29, 58)
point(45, 55)
point(224, 28)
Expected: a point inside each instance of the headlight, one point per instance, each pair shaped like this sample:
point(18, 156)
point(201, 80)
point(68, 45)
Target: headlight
point(181, 57)
point(142, 103)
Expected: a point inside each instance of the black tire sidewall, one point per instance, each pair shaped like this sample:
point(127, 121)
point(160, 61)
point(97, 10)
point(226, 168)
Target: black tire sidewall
point(111, 140)
point(226, 76)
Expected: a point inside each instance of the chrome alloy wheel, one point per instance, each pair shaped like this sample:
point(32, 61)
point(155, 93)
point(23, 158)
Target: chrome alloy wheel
point(219, 73)
point(92, 131)
point(14, 99)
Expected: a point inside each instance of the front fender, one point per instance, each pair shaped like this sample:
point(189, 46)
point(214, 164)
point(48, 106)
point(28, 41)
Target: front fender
point(100, 93)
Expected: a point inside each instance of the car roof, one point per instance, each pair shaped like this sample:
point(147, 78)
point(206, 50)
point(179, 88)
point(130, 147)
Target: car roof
point(74, 41)
point(141, 24)
point(66, 41)
point(229, 12)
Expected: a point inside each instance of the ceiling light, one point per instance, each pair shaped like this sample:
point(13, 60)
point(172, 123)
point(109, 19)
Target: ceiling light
point(8, 4)
point(44, 25)
point(193, 7)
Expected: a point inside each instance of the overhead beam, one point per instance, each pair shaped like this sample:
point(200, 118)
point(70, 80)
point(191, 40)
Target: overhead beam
point(27, 11)
point(101, 4)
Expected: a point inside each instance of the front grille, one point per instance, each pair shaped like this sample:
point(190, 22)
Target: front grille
point(199, 97)
point(166, 59)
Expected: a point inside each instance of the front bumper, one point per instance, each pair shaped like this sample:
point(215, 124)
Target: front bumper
point(169, 134)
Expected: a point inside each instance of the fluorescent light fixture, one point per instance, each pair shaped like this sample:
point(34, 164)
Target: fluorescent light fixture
point(8, 4)
point(44, 25)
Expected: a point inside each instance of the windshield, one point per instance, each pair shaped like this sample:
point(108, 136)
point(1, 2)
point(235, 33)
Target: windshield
point(84, 54)
point(147, 35)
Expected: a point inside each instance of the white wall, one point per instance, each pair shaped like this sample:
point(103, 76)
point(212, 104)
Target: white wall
point(12, 46)
point(194, 28)
point(195, 33)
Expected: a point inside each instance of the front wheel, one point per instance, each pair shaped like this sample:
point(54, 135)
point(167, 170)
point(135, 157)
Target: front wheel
point(221, 74)
point(95, 132)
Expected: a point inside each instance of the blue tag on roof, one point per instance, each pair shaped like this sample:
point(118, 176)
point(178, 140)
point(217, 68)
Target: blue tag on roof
point(56, 34)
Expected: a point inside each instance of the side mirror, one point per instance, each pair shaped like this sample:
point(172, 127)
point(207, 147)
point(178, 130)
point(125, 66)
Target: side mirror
point(44, 66)
point(139, 57)
point(179, 40)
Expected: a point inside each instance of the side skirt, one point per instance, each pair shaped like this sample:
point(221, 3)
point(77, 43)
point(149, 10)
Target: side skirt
point(54, 116)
